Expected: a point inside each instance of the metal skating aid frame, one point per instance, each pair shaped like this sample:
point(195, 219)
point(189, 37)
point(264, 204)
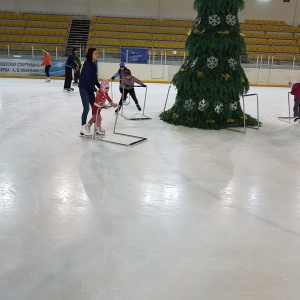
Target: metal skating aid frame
point(283, 119)
point(112, 96)
point(144, 117)
point(257, 115)
point(167, 97)
point(139, 140)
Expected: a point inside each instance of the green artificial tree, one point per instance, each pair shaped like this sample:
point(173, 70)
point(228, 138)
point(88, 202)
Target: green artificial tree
point(211, 79)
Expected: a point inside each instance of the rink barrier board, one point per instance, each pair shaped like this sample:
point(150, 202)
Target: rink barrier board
point(145, 81)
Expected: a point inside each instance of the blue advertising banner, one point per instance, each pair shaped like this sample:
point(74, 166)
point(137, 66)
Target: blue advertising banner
point(130, 55)
point(28, 67)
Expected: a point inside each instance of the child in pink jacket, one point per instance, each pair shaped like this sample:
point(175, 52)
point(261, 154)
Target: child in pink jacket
point(101, 97)
point(296, 92)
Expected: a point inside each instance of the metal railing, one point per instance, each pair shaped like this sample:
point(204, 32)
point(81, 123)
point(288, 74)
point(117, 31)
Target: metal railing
point(156, 56)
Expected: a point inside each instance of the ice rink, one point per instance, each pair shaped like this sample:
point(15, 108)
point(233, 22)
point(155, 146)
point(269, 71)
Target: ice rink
point(188, 214)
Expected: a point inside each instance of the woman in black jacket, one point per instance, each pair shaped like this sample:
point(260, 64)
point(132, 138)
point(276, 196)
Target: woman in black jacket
point(87, 87)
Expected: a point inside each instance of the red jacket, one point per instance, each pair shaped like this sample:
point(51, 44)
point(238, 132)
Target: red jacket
point(296, 90)
point(47, 60)
point(100, 100)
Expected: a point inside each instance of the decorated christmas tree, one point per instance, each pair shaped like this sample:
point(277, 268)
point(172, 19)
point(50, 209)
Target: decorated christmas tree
point(211, 80)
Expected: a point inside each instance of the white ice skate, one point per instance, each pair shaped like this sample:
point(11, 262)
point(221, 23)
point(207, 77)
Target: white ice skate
point(100, 131)
point(85, 131)
point(88, 127)
point(47, 80)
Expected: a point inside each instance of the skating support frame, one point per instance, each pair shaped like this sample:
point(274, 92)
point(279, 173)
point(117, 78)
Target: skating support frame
point(144, 117)
point(112, 96)
point(167, 97)
point(139, 139)
point(284, 119)
point(257, 115)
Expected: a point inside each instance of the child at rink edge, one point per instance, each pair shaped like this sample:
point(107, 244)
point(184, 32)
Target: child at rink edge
point(120, 75)
point(47, 63)
point(296, 92)
point(101, 97)
point(128, 85)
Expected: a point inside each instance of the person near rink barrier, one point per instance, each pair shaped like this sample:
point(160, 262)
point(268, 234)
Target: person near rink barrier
point(70, 64)
point(47, 63)
point(296, 93)
point(77, 73)
point(120, 75)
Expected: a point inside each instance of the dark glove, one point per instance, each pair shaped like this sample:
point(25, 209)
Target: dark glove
point(144, 85)
point(113, 78)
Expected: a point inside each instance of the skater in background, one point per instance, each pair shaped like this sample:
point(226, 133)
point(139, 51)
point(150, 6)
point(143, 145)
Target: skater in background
point(47, 63)
point(71, 64)
point(101, 97)
point(128, 83)
point(87, 87)
point(120, 75)
point(77, 73)
point(296, 92)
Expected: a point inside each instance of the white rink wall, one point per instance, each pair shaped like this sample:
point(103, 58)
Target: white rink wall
point(165, 73)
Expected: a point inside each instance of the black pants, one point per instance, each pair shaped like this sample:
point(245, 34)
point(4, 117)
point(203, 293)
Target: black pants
point(297, 108)
point(131, 92)
point(76, 76)
point(87, 99)
point(47, 69)
point(121, 91)
point(68, 77)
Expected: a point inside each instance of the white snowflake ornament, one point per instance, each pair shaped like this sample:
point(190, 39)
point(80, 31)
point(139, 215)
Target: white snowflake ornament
point(232, 63)
point(219, 108)
point(202, 105)
point(233, 106)
point(212, 62)
point(231, 19)
point(214, 20)
point(189, 104)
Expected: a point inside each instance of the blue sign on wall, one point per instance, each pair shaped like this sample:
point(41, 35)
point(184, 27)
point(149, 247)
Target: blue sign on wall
point(138, 56)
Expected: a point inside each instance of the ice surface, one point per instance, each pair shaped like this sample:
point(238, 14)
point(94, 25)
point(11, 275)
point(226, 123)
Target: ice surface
point(188, 214)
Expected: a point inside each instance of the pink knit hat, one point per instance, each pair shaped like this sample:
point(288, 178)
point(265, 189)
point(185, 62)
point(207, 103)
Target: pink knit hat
point(104, 84)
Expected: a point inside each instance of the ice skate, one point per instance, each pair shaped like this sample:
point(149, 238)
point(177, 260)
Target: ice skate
point(75, 83)
point(84, 132)
point(66, 90)
point(100, 131)
point(296, 119)
point(88, 128)
point(47, 80)
point(138, 107)
point(118, 109)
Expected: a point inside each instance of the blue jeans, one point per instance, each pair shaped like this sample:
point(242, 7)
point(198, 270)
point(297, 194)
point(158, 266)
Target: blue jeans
point(87, 99)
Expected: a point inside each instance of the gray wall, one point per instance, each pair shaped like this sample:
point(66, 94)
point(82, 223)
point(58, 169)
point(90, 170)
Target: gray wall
point(159, 9)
